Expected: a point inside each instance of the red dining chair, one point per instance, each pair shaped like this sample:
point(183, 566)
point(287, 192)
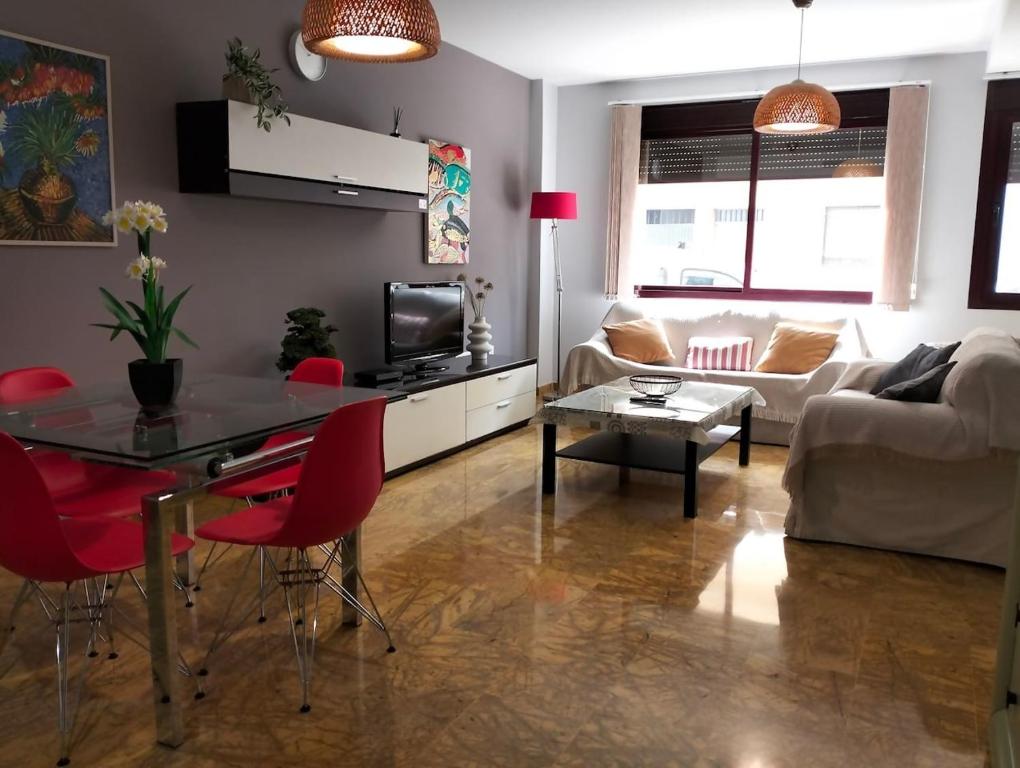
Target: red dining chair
point(339, 482)
point(39, 545)
point(326, 371)
point(79, 488)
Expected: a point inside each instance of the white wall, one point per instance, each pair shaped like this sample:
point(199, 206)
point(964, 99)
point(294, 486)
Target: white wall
point(542, 177)
point(950, 191)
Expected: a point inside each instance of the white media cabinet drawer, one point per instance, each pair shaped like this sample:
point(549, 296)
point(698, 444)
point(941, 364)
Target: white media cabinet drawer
point(492, 418)
point(424, 424)
point(498, 387)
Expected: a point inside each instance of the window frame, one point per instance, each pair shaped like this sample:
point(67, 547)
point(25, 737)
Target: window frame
point(1002, 109)
point(861, 109)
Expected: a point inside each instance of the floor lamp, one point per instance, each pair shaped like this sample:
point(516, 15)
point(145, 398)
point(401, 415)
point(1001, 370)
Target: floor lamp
point(556, 206)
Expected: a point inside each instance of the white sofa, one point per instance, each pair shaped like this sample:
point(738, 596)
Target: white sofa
point(931, 478)
point(593, 363)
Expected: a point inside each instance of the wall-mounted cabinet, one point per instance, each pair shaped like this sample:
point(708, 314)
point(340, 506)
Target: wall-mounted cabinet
point(221, 150)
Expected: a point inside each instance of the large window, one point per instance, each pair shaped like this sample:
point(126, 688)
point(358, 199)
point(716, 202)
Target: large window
point(817, 227)
point(995, 269)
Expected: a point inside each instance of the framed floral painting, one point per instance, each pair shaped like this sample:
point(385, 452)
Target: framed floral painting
point(56, 150)
point(449, 204)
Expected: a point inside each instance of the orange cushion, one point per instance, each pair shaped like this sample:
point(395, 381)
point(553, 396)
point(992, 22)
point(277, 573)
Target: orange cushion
point(640, 341)
point(796, 349)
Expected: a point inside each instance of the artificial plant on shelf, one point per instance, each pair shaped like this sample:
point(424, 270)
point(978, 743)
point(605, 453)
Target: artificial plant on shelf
point(306, 337)
point(247, 75)
point(155, 378)
point(480, 337)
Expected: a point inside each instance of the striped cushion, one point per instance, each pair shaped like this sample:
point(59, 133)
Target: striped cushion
point(719, 353)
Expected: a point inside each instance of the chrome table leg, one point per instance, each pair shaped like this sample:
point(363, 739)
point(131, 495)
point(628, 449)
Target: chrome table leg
point(166, 686)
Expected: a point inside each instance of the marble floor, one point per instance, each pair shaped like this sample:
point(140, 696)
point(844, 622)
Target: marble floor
point(597, 629)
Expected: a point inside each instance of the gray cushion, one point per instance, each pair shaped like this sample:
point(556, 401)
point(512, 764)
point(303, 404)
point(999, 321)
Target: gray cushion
point(923, 389)
point(918, 362)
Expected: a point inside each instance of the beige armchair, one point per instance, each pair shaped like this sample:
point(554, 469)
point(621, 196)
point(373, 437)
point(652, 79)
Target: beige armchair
point(932, 478)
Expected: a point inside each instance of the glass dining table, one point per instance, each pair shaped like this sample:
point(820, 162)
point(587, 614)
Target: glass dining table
point(212, 434)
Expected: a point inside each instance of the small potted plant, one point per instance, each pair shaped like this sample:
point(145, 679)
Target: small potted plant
point(480, 337)
point(306, 337)
point(248, 80)
point(155, 378)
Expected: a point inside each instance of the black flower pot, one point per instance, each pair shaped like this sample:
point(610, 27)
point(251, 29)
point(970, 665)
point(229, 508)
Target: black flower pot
point(155, 384)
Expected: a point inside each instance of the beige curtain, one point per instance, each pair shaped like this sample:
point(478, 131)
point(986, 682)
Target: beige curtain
point(623, 180)
point(904, 179)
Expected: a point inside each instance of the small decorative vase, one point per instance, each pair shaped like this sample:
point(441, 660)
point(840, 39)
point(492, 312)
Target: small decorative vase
point(155, 384)
point(234, 88)
point(480, 340)
point(47, 195)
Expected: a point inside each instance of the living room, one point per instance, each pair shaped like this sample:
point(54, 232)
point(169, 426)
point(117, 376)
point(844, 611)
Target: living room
point(535, 383)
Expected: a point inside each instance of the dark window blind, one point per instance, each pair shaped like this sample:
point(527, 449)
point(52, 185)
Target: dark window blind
point(818, 157)
point(696, 158)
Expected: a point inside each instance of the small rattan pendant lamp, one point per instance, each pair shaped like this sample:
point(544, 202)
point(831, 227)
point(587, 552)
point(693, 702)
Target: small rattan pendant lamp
point(797, 108)
point(371, 30)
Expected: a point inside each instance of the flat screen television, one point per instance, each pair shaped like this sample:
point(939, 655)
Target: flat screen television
point(424, 323)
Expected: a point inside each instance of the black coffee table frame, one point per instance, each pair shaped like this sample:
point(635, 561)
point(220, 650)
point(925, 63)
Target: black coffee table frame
point(650, 451)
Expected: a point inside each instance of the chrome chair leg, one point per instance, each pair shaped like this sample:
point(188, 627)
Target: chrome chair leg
point(205, 564)
point(63, 641)
point(20, 600)
point(370, 612)
point(189, 601)
point(262, 585)
point(114, 589)
point(225, 630)
point(303, 578)
point(209, 557)
point(90, 647)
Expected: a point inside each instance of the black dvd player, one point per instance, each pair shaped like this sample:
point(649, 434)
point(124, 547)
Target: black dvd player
point(378, 376)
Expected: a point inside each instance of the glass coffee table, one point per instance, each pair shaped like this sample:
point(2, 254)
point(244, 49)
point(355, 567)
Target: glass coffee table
point(674, 437)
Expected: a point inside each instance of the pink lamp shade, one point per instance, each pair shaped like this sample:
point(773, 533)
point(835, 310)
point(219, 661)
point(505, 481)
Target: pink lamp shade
point(554, 205)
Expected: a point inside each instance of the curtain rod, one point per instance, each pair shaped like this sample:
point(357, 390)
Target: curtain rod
point(735, 95)
point(1007, 75)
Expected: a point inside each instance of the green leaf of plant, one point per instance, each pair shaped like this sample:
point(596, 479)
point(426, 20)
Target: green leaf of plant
point(167, 319)
point(117, 310)
point(147, 321)
point(185, 338)
point(115, 328)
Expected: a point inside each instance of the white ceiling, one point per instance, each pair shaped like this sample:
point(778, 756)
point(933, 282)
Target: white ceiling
point(585, 41)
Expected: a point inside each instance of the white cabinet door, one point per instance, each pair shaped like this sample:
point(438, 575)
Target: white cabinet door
point(315, 149)
point(424, 424)
point(500, 386)
point(492, 418)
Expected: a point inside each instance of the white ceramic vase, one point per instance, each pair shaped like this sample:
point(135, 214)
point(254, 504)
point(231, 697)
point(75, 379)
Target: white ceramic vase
point(480, 340)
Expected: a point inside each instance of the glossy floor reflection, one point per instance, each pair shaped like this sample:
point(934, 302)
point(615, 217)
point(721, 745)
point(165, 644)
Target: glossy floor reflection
point(597, 629)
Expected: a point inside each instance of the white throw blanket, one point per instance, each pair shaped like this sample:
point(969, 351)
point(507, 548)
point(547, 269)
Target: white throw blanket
point(977, 413)
point(593, 362)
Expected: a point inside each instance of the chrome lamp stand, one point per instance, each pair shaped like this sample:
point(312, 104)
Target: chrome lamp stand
point(556, 394)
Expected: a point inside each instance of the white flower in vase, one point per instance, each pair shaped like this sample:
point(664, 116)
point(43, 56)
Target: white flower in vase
point(138, 268)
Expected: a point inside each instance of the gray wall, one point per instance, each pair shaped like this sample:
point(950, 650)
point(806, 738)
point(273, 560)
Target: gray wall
point(950, 193)
point(250, 260)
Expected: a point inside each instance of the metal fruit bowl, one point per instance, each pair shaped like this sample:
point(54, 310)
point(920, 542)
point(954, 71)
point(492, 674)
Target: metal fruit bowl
point(656, 385)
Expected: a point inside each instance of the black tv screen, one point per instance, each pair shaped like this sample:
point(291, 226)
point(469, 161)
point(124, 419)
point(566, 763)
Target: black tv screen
point(424, 321)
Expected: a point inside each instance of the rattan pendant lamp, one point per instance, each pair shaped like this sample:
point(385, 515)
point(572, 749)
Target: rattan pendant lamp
point(797, 108)
point(371, 30)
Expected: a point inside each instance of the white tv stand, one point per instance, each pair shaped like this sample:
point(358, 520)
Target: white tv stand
point(452, 409)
